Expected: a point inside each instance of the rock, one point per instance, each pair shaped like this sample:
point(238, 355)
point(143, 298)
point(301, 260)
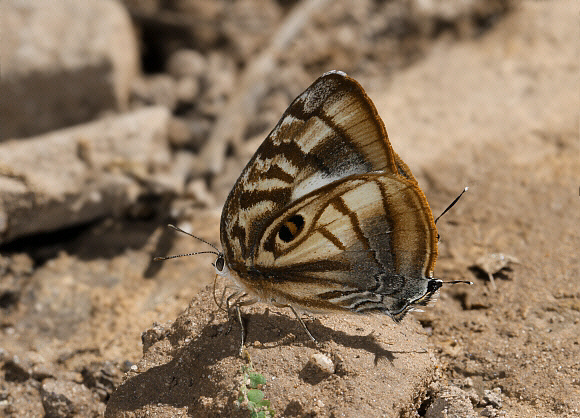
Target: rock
point(13, 271)
point(200, 130)
point(80, 174)
point(154, 90)
point(186, 90)
point(450, 401)
point(20, 400)
point(318, 368)
point(248, 24)
point(69, 399)
point(179, 132)
point(467, 382)
point(21, 264)
point(321, 363)
point(490, 411)
point(63, 63)
point(186, 63)
point(221, 82)
point(197, 190)
point(16, 369)
point(102, 377)
point(492, 397)
point(493, 263)
point(199, 360)
point(152, 335)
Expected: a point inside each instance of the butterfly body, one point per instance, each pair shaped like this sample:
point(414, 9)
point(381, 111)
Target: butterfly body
point(326, 217)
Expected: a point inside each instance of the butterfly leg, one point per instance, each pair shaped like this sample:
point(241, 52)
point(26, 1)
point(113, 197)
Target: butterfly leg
point(239, 316)
point(230, 306)
point(302, 323)
point(243, 331)
point(233, 303)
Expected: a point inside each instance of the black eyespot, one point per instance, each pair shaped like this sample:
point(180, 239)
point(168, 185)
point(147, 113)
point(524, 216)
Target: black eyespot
point(291, 228)
point(219, 263)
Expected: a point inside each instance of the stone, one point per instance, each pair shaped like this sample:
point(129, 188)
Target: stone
point(451, 401)
point(63, 63)
point(492, 397)
point(186, 90)
point(154, 90)
point(186, 63)
point(68, 399)
point(179, 132)
point(321, 363)
point(80, 174)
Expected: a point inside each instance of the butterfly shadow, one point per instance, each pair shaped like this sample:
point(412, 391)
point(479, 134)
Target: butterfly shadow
point(188, 380)
point(203, 363)
point(272, 328)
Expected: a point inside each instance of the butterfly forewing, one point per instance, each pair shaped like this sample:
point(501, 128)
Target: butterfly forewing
point(329, 132)
point(326, 216)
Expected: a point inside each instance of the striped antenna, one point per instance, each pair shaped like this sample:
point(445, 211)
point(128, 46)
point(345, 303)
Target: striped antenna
point(216, 252)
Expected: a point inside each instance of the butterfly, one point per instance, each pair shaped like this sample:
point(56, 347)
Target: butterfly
point(326, 217)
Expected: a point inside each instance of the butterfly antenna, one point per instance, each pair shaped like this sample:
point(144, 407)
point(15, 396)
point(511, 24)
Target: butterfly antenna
point(198, 238)
point(458, 282)
point(169, 257)
point(452, 204)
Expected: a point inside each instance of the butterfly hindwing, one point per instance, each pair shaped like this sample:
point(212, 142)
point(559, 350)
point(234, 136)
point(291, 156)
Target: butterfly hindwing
point(341, 249)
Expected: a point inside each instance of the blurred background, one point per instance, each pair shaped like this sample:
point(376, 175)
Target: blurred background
point(118, 117)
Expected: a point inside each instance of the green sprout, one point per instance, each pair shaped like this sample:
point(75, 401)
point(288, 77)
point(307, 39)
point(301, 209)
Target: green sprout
point(250, 395)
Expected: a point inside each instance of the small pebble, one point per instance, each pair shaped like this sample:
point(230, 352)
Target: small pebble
point(322, 363)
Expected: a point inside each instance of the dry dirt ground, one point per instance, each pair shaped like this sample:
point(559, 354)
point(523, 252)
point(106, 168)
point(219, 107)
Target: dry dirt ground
point(497, 112)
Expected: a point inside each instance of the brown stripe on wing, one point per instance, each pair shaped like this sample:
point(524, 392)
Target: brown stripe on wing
point(341, 206)
point(250, 198)
point(345, 147)
point(343, 104)
point(332, 238)
point(291, 152)
point(413, 228)
point(237, 233)
point(276, 172)
point(298, 273)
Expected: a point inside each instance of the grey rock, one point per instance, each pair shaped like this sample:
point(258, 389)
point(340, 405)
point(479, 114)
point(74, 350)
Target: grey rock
point(186, 63)
point(322, 363)
point(80, 174)
point(450, 401)
point(63, 63)
point(154, 90)
point(69, 399)
point(492, 397)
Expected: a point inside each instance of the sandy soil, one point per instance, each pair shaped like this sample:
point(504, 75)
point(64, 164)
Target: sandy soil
point(496, 112)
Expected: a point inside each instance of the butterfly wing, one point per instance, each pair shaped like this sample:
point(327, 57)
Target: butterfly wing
point(329, 141)
point(365, 243)
point(329, 132)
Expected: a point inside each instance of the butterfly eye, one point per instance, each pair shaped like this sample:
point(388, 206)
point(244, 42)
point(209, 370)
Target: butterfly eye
point(219, 263)
point(291, 228)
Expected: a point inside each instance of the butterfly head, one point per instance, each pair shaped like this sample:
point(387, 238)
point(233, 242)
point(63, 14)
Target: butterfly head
point(220, 265)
